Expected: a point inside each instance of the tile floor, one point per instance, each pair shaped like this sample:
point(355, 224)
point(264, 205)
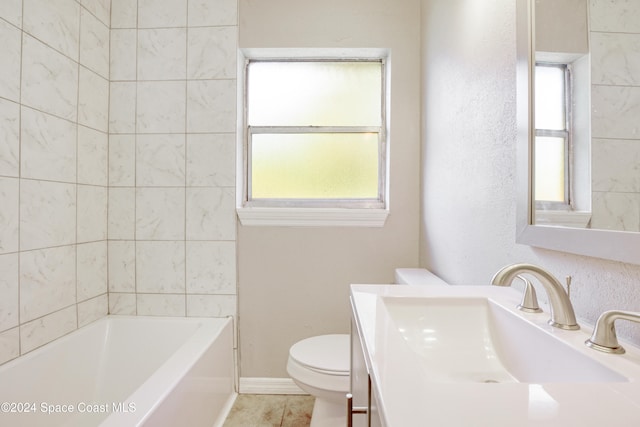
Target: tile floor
point(265, 410)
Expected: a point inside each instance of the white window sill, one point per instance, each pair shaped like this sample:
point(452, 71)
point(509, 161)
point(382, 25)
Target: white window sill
point(312, 217)
point(577, 219)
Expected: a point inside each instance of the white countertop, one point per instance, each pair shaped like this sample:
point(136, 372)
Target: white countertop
point(407, 399)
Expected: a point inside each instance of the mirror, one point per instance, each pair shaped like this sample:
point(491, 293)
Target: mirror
point(608, 131)
point(561, 113)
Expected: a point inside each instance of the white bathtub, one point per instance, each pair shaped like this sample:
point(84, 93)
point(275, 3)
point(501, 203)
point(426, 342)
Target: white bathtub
point(125, 371)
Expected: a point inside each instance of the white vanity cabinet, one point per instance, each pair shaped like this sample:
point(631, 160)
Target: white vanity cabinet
point(364, 395)
point(375, 419)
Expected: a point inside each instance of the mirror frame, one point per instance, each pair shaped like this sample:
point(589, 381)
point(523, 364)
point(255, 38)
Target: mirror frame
point(607, 244)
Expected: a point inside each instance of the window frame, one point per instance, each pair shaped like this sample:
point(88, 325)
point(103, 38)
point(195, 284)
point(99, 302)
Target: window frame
point(566, 134)
point(312, 212)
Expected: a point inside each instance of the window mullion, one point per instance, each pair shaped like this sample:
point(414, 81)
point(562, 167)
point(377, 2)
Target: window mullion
point(552, 133)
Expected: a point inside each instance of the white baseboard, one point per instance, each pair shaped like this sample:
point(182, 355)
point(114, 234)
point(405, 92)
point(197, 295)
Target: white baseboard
point(269, 386)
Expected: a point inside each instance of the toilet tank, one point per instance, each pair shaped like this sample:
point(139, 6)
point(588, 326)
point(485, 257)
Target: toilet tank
point(417, 277)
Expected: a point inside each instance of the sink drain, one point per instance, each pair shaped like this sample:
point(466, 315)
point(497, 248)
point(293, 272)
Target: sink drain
point(491, 381)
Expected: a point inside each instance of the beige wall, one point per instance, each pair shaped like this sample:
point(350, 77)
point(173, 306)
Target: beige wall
point(561, 26)
point(294, 282)
point(469, 157)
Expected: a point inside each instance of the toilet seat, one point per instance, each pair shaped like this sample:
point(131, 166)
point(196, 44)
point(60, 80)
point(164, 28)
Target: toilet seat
point(321, 366)
point(324, 354)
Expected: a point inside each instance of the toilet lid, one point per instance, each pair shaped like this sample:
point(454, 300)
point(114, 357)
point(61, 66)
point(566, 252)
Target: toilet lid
point(328, 353)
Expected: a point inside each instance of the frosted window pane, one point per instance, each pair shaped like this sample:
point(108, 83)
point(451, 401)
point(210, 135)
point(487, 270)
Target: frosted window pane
point(549, 169)
point(314, 166)
point(550, 98)
point(314, 93)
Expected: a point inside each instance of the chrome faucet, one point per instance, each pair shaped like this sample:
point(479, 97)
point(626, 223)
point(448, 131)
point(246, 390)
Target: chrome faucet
point(529, 302)
point(562, 314)
point(604, 336)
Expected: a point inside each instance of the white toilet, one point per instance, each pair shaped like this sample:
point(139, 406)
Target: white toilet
point(417, 277)
point(320, 365)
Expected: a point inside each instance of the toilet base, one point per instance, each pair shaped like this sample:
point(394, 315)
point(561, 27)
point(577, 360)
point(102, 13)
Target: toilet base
point(328, 414)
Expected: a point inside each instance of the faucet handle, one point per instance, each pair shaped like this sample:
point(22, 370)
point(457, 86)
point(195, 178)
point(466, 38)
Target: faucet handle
point(604, 336)
point(529, 302)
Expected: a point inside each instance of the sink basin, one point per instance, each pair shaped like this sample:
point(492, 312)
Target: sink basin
point(477, 340)
point(453, 356)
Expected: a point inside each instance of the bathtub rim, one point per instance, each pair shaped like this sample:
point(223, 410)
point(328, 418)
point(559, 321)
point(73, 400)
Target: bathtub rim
point(167, 376)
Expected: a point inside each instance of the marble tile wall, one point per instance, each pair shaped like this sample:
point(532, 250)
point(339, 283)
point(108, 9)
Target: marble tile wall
point(615, 99)
point(54, 89)
point(117, 163)
point(171, 226)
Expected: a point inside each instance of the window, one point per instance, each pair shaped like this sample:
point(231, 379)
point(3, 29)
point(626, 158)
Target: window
point(552, 135)
point(315, 134)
